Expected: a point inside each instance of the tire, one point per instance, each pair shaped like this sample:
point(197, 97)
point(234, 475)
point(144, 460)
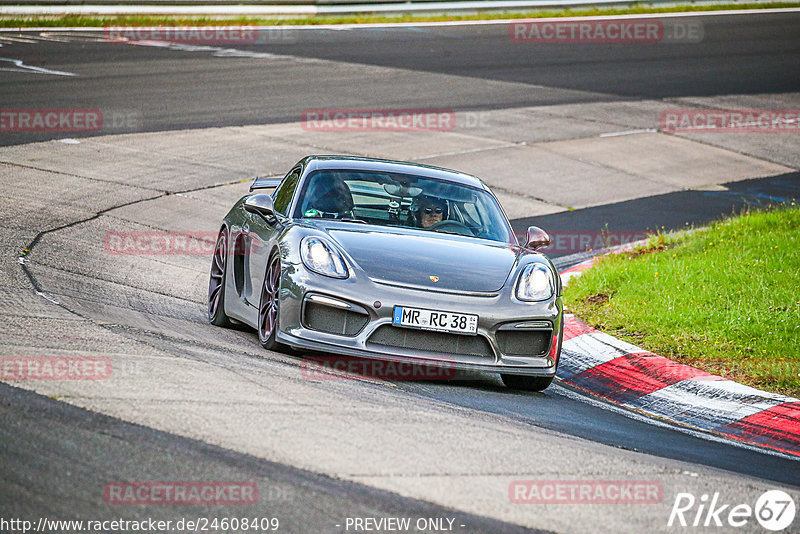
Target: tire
point(269, 304)
point(527, 383)
point(216, 282)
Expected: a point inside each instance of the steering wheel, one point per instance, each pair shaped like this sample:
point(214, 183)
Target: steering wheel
point(451, 227)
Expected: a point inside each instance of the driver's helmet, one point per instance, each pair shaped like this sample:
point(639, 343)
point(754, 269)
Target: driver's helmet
point(328, 195)
point(427, 205)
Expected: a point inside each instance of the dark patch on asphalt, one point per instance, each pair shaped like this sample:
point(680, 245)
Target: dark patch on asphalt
point(668, 212)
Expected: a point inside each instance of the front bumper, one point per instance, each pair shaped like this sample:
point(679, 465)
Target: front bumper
point(375, 300)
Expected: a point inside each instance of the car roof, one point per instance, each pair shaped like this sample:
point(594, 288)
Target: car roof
point(314, 163)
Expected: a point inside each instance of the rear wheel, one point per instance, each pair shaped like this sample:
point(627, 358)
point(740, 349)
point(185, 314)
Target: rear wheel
point(527, 383)
point(216, 283)
point(268, 307)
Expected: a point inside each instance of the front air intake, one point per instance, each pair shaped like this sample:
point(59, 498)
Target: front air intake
point(524, 342)
point(333, 320)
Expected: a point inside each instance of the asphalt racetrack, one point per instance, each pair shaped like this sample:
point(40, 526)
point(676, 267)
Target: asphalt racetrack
point(568, 137)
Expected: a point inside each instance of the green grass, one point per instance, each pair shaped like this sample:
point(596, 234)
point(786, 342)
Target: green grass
point(725, 299)
point(97, 21)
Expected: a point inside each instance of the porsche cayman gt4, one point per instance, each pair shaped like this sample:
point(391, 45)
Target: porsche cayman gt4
point(393, 261)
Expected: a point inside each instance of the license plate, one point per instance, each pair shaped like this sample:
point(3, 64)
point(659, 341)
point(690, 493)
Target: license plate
point(441, 321)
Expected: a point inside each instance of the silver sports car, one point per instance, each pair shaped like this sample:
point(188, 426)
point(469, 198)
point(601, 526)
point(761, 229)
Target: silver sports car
point(392, 261)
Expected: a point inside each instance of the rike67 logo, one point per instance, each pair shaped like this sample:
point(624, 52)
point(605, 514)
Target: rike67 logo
point(774, 510)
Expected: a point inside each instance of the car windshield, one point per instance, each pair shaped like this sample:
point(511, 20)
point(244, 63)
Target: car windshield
point(403, 200)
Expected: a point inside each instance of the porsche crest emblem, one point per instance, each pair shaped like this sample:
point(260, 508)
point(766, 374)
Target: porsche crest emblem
point(434, 278)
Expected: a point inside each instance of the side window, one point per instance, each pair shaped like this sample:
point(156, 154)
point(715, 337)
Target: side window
point(283, 195)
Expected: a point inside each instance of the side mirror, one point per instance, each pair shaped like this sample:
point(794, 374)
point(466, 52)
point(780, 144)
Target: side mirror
point(261, 204)
point(537, 238)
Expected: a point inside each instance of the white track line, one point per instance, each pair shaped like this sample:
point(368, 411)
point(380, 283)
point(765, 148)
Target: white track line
point(22, 67)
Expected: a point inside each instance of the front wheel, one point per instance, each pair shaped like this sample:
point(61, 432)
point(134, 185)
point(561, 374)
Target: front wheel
point(527, 383)
point(268, 307)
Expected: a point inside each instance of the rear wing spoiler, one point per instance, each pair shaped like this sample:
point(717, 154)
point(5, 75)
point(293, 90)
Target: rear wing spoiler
point(262, 182)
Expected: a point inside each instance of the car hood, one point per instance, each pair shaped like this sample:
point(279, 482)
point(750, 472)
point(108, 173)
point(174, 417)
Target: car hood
point(438, 261)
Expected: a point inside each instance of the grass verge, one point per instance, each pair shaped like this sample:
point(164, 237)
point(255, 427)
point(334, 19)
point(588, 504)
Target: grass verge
point(725, 299)
point(182, 20)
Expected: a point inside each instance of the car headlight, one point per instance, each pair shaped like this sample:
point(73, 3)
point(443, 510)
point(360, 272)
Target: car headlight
point(322, 258)
point(535, 283)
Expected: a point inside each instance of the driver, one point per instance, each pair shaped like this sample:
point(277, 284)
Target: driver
point(428, 210)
